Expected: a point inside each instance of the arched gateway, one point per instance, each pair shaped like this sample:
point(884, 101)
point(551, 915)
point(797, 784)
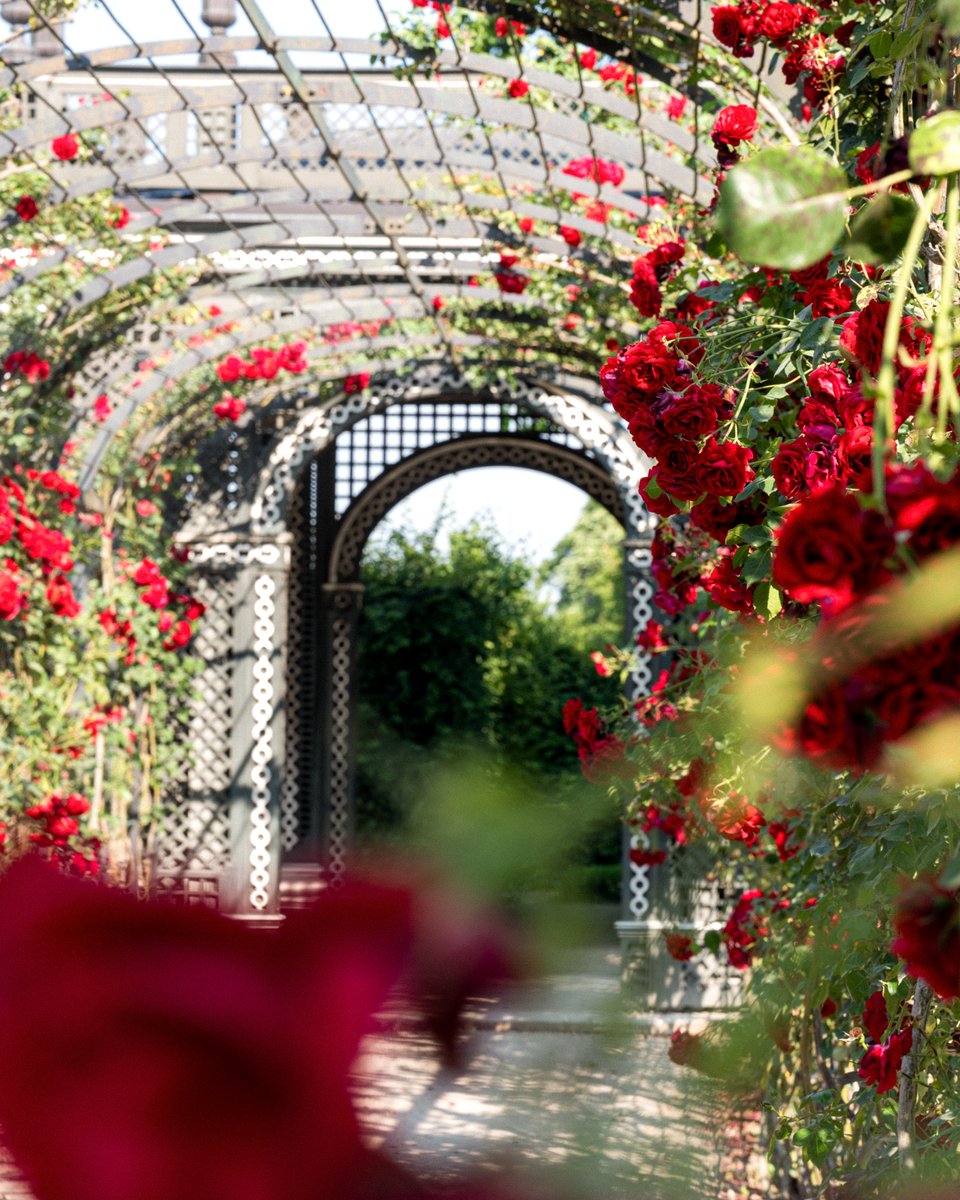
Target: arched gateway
point(282, 511)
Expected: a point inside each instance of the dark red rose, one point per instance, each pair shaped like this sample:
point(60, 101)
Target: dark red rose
point(689, 415)
point(678, 471)
point(854, 460)
point(679, 947)
point(927, 921)
point(648, 858)
point(925, 509)
point(717, 517)
point(27, 208)
point(725, 587)
point(874, 1018)
point(881, 1064)
point(861, 338)
point(828, 298)
point(645, 295)
point(812, 274)
point(726, 24)
point(661, 505)
point(828, 383)
point(804, 465)
point(723, 468)
point(780, 21)
point(511, 282)
point(192, 1054)
point(818, 420)
point(831, 550)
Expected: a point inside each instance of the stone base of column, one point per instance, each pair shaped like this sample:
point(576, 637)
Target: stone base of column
point(652, 981)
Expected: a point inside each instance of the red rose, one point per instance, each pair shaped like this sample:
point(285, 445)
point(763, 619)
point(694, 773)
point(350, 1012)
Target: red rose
point(510, 282)
point(722, 469)
point(717, 517)
point(121, 218)
point(12, 600)
point(727, 25)
point(828, 383)
point(645, 295)
point(686, 1049)
point(881, 1064)
point(734, 124)
point(570, 235)
point(230, 408)
point(925, 509)
point(855, 457)
point(829, 549)
point(801, 466)
point(861, 338)
point(781, 21)
point(599, 170)
point(66, 147)
point(678, 470)
point(828, 298)
point(648, 858)
point(927, 921)
point(724, 587)
point(662, 505)
point(588, 59)
point(60, 597)
point(737, 820)
point(27, 208)
point(518, 88)
point(689, 415)
point(354, 384)
point(875, 1019)
point(812, 274)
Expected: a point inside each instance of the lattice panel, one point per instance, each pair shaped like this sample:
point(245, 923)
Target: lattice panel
point(368, 448)
point(339, 816)
point(301, 681)
point(194, 842)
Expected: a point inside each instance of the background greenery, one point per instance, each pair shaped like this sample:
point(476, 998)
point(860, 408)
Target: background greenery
point(469, 648)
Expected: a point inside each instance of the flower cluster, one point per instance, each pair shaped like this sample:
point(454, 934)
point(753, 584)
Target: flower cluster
point(649, 273)
point(794, 30)
point(28, 364)
point(834, 550)
point(601, 754)
point(675, 420)
point(59, 829)
point(33, 541)
point(264, 363)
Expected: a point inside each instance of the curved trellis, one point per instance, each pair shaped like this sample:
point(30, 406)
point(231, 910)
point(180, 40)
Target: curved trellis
point(285, 183)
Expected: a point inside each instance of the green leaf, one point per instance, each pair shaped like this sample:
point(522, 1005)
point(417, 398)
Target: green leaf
point(880, 229)
point(712, 940)
point(935, 145)
point(950, 877)
point(784, 208)
point(767, 600)
point(949, 13)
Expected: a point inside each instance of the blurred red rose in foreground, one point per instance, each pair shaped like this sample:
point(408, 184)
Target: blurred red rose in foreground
point(179, 1054)
point(927, 921)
